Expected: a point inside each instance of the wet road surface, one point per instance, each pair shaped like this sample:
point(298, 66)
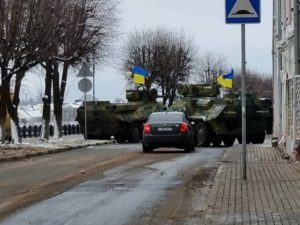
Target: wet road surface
point(146, 190)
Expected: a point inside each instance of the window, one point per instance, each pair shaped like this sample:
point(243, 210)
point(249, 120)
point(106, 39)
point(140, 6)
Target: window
point(288, 12)
point(279, 20)
point(166, 117)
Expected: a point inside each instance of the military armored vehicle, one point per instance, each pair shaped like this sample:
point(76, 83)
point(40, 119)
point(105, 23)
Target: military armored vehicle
point(122, 120)
point(219, 119)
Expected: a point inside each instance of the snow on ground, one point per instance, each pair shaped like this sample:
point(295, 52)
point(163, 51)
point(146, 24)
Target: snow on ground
point(35, 146)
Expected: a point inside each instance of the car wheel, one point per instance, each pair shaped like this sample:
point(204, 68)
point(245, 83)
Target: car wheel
point(190, 148)
point(202, 135)
point(134, 135)
point(147, 149)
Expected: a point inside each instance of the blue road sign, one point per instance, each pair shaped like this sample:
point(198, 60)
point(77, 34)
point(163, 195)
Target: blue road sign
point(242, 11)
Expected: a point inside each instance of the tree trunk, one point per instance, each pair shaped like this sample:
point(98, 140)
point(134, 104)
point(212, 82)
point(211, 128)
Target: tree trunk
point(3, 110)
point(47, 102)
point(12, 107)
point(172, 97)
point(2, 130)
point(58, 101)
point(59, 94)
point(64, 81)
point(2, 117)
point(166, 95)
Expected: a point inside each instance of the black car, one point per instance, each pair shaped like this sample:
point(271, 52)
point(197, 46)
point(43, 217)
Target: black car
point(168, 129)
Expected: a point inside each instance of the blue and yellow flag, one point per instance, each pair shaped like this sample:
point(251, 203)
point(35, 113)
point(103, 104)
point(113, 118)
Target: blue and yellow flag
point(139, 75)
point(226, 80)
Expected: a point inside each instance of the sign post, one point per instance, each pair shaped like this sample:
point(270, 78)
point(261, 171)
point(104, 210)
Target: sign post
point(85, 85)
point(243, 12)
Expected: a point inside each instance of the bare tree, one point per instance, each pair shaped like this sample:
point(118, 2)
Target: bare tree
point(88, 30)
point(25, 35)
point(256, 83)
point(167, 55)
point(209, 66)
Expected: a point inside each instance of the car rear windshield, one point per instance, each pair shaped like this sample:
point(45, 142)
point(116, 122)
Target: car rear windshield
point(166, 117)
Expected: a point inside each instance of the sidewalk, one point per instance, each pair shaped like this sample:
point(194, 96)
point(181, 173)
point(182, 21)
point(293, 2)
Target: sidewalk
point(33, 147)
point(270, 195)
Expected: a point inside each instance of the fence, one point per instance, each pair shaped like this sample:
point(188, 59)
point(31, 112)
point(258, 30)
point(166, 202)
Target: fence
point(35, 130)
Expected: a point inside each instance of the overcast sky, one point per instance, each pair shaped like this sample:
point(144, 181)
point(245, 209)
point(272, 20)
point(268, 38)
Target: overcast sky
point(204, 20)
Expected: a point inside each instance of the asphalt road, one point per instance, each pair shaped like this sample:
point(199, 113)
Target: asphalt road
point(111, 184)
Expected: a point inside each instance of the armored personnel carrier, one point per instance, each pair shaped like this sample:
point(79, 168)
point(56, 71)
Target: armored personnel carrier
point(122, 120)
point(219, 119)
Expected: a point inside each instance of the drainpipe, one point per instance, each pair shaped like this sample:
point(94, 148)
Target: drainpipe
point(296, 35)
point(296, 145)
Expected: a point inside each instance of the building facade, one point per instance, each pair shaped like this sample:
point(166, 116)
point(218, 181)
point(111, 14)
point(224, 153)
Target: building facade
point(286, 76)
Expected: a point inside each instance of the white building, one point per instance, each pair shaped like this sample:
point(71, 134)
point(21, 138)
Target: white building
point(286, 78)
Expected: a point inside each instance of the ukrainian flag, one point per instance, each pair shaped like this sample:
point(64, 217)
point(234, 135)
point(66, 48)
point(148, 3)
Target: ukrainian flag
point(139, 75)
point(226, 80)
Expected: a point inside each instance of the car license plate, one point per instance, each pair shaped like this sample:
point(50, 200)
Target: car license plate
point(164, 129)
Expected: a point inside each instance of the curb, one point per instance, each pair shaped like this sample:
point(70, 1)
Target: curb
point(211, 200)
point(51, 151)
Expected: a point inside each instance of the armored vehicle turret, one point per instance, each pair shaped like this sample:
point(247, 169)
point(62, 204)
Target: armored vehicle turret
point(122, 120)
point(218, 119)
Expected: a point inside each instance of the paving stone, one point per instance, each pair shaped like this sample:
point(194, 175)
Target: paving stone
point(270, 195)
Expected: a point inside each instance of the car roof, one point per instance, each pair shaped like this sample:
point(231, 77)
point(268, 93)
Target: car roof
point(168, 112)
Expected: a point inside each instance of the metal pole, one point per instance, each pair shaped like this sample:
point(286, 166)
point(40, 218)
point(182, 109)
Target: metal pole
point(244, 102)
point(94, 80)
point(85, 118)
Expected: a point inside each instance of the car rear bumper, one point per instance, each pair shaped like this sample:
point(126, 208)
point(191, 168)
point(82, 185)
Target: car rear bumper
point(177, 141)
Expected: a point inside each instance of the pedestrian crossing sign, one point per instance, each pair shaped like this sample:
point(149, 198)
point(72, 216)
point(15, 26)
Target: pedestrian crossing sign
point(242, 11)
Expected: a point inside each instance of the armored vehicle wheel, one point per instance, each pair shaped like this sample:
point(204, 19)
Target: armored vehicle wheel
point(269, 130)
point(134, 135)
point(228, 141)
point(120, 138)
point(104, 137)
point(248, 139)
point(89, 137)
point(147, 149)
point(258, 138)
point(241, 141)
point(217, 141)
point(202, 135)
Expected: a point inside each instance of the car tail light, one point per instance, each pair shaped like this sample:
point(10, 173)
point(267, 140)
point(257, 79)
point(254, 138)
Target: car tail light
point(147, 128)
point(183, 128)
